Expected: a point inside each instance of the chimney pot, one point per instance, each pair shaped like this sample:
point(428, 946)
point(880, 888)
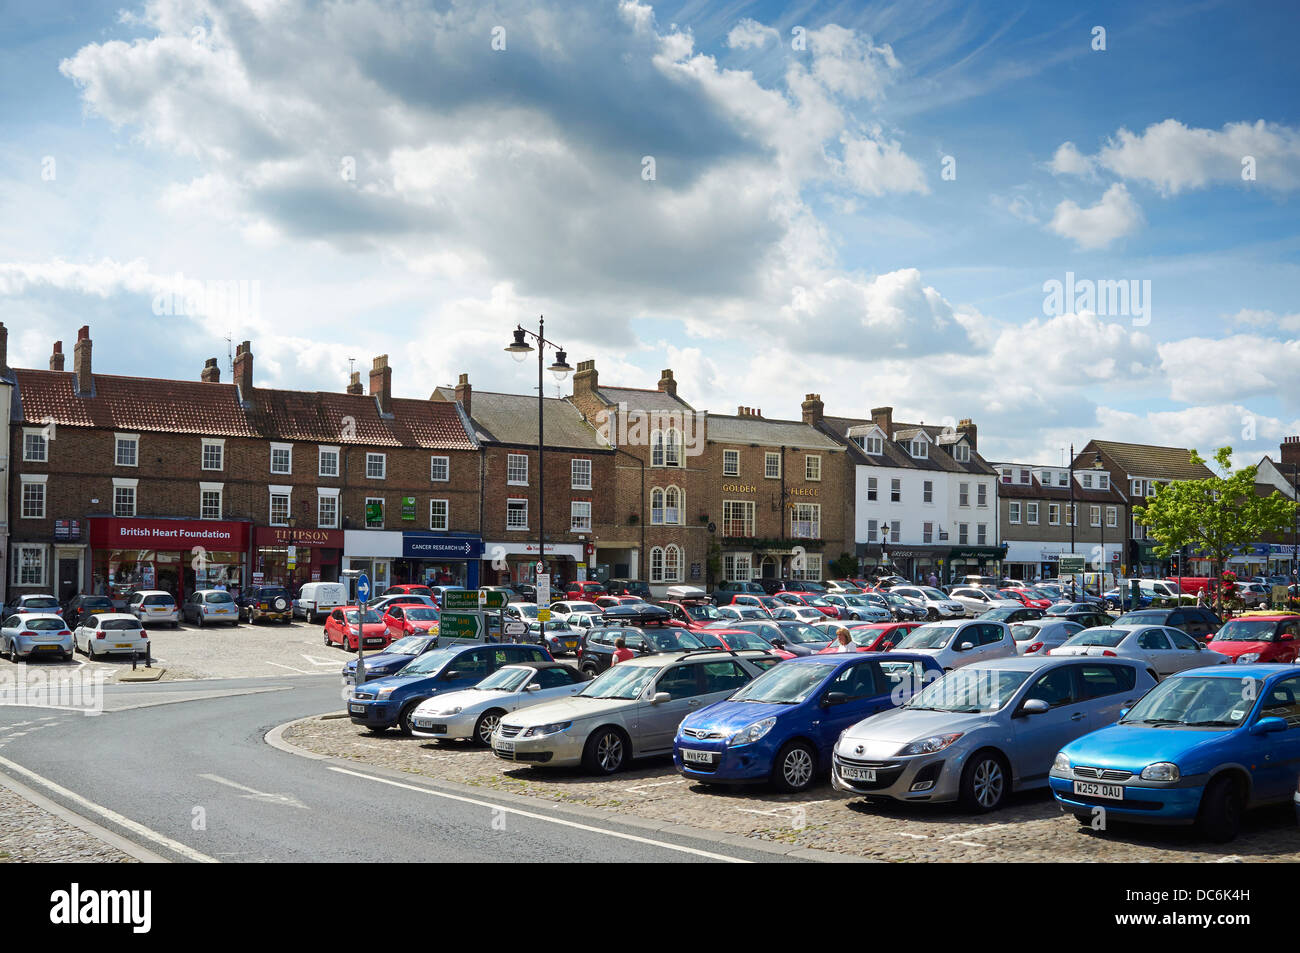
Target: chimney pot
point(56, 357)
point(381, 383)
point(354, 385)
point(211, 372)
point(84, 379)
point(244, 370)
point(464, 393)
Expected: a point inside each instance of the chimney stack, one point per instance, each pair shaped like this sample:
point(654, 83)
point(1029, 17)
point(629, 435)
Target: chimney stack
point(666, 383)
point(883, 417)
point(244, 370)
point(211, 372)
point(812, 409)
point(1290, 455)
point(4, 350)
point(464, 393)
point(381, 383)
point(354, 385)
point(585, 380)
point(971, 431)
point(85, 381)
point(56, 357)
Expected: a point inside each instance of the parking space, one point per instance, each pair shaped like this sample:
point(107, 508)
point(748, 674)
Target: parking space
point(1030, 828)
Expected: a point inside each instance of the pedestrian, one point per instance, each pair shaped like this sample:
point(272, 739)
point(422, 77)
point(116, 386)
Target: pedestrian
point(621, 652)
point(1200, 599)
point(934, 580)
point(843, 641)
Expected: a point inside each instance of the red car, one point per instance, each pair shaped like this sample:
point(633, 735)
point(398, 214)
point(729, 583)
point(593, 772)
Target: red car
point(341, 628)
point(874, 636)
point(583, 591)
point(768, 604)
point(402, 620)
point(692, 613)
point(1026, 597)
point(736, 640)
point(409, 589)
point(812, 600)
point(609, 602)
point(1268, 637)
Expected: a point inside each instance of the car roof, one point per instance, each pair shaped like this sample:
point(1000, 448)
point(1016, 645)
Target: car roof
point(698, 655)
point(113, 615)
point(1030, 663)
point(1261, 670)
point(37, 595)
point(44, 615)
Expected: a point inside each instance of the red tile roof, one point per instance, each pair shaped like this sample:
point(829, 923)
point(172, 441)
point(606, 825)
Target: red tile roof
point(213, 410)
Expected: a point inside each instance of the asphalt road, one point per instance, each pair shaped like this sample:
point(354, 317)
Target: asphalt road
point(183, 769)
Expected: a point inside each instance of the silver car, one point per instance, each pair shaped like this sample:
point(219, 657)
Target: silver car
point(475, 712)
point(854, 606)
point(1040, 636)
point(25, 636)
point(977, 600)
point(153, 605)
point(936, 603)
point(1163, 649)
point(985, 730)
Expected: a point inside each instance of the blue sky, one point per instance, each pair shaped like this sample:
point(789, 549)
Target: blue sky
point(798, 235)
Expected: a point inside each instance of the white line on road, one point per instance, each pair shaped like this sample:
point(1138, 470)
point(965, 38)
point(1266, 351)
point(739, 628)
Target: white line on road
point(543, 817)
point(132, 826)
point(290, 668)
point(253, 794)
point(315, 661)
point(640, 788)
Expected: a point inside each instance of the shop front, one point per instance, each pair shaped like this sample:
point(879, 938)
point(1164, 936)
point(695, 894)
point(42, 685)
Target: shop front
point(175, 555)
point(393, 557)
point(975, 561)
point(506, 563)
point(288, 556)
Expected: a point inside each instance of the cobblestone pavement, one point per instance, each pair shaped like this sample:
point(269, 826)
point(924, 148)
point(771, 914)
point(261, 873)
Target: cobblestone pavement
point(1030, 829)
point(29, 834)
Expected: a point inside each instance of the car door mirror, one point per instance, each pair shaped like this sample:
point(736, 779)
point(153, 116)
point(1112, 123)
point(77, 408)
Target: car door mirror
point(1268, 726)
point(660, 697)
point(449, 675)
point(1124, 711)
point(965, 647)
point(834, 698)
point(533, 687)
point(1286, 637)
point(1035, 706)
point(778, 643)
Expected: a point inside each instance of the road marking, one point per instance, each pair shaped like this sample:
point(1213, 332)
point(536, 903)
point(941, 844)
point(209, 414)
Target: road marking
point(639, 788)
point(291, 668)
point(315, 661)
point(542, 817)
point(968, 843)
point(253, 794)
point(913, 836)
point(781, 809)
point(132, 826)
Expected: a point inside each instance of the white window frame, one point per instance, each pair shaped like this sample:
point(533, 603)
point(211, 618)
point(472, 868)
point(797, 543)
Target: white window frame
point(576, 479)
point(327, 493)
point(673, 574)
point(1031, 514)
point(212, 443)
point(321, 454)
point(812, 467)
point(963, 534)
point(963, 495)
point(895, 490)
point(927, 532)
point(123, 484)
point(873, 445)
point(982, 495)
point(382, 458)
point(919, 448)
point(1112, 516)
point(927, 492)
point(272, 493)
point(731, 463)
point(1094, 515)
point(770, 457)
point(126, 438)
point(445, 467)
point(873, 531)
point(17, 559)
point(806, 521)
point(656, 564)
point(516, 464)
point(873, 490)
point(961, 453)
point(1053, 514)
point(812, 568)
point(32, 479)
point(446, 515)
point(747, 509)
point(43, 443)
point(737, 567)
point(1013, 511)
point(285, 448)
point(579, 521)
point(509, 527)
point(220, 490)
point(982, 534)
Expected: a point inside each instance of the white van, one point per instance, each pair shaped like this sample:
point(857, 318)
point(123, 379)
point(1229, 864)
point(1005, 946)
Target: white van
point(318, 599)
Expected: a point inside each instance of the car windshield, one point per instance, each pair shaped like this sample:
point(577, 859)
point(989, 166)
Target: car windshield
point(527, 610)
point(927, 637)
point(1102, 635)
point(933, 593)
point(969, 690)
point(740, 639)
point(1061, 608)
point(801, 634)
point(416, 591)
point(865, 635)
point(816, 601)
point(506, 679)
point(421, 614)
point(1002, 613)
point(1149, 617)
point(584, 607)
point(45, 625)
point(857, 600)
point(666, 640)
point(40, 603)
point(702, 611)
point(271, 593)
point(1024, 631)
point(874, 599)
point(621, 681)
point(1205, 701)
point(1247, 630)
point(784, 684)
point(370, 617)
point(96, 602)
point(411, 645)
point(428, 663)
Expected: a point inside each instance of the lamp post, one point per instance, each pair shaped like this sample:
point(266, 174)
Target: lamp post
point(1295, 523)
point(1105, 560)
point(1074, 591)
point(290, 554)
point(518, 349)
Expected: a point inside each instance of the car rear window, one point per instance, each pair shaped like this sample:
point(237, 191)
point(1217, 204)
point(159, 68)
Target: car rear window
point(114, 625)
point(217, 597)
point(41, 603)
point(45, 625)
point(159, 601)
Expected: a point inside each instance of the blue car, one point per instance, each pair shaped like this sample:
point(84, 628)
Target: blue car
point(392, 659)
point(391, 702)
point(782, 726)
point(1200, 748)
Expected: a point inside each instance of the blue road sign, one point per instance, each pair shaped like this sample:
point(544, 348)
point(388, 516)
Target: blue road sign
point(363, 588)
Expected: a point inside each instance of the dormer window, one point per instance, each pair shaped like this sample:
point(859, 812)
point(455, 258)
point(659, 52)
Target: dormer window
point(961, 453)
point(918, 449)
point(874, 446)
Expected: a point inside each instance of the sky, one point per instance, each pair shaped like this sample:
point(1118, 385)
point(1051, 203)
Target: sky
point(906, 204)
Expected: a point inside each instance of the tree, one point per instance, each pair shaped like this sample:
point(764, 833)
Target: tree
point(844, 566)
point(1216, 515)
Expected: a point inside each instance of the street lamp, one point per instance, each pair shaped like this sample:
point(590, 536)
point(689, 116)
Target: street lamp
point(1074, 591)
point(1105, 559)
point(518, 349)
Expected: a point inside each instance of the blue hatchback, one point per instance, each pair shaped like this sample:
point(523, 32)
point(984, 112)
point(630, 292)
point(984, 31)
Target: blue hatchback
point(390, 702)
point(1200, 748)
point(782, 726)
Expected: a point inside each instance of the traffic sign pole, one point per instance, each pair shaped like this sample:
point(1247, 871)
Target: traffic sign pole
point(363, 598)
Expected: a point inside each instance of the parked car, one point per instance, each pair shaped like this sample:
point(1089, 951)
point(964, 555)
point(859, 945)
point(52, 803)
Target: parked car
point(805, 614)
point(609, 602)
point(1259, 638)
point(265, 603)
point(82, 606)
point(798, 638)
point(23, 637)
point(411, 589)
point(153, 606)
point(956, 643)
point(867, 636)
point(210, 606)
point(391, 702)
point(904, 610)
point(725, 590)
point(346, 625)
point(937, 604)
point(693, 614)
point(436, 593)
point(34, 604)
point(1040, 636)
point(637, 613)
point(110, 633)
point(584, 591)
point(741, 613)
point(628, 587)
point(629, 711)
point(1121, 598)
point(768, 604)
point(392, 659)
point(474, 713)
point(1196, 621)
point(809, 600)
point(773, 586)
point(403, 620)
point(597, 650)
point(1027, 597)
point(559, 636)
point(984, 730)
point(1253, 594)
point(1009, 616)
point(1202, 748)
point(1084, 613)
point(725, 639)
point(977, 600)
point(781, 727)
point(857, 607)
point(382, 604)
point(844, 587)
point(317, 599)
point(561, 608)
point(1163, 649)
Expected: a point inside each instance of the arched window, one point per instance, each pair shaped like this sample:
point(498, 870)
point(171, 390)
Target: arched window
point(656, 565)
point(657, 449)
point(672, 570)
point(656, 506)
point(673, 506)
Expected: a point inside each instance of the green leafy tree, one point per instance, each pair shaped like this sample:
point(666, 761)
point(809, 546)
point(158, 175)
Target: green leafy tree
point(844, 566)
point(1216, 515)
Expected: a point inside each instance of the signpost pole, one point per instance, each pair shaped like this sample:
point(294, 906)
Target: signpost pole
point(363, 599)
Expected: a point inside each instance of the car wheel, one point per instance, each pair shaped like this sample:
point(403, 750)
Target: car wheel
point(404, 717)
point(590, 670)
point(606, 751)
point(1219, 819)
point(984, 783)
point(795, 768)
point(932, 615)
point(487, 723)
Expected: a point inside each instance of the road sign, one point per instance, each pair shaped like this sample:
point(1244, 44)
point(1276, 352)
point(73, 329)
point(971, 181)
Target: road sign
point(543, 615)
point(460, 599)
point(544, 589)
point(516, 628)
point(1068, 563)
point(363, 588)
point(491, 599)
point(460, 625)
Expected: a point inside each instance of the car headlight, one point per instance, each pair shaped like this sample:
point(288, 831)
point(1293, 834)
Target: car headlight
point(929, 745)
point(1248, 657)
point(451, 711)
point(385, 692)
point(553, 728)
point(1062, 763)
point(1161, 771)
point(752, 733)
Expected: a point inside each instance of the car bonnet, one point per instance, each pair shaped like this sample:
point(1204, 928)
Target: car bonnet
point(880, 736)
point(1133, 747)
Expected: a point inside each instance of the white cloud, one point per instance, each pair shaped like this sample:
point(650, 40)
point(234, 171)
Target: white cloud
point(1267, 319)
point(1230, 368)
point(1113, 217)
point(875, 168)
point(1069, 161)
point(750, 34)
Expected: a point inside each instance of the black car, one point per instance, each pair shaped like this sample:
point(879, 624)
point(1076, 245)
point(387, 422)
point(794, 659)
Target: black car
point(773, 586)
point(598, 649)
point(266, 602)
point(628, 587)
point(558, 638)
point(1010, 615)
point(527, 592)
point(392, 659)
point(641, 613)
point(902, 610)
point(1198, 622)
point(1087, 614)
point(725, 590)
point(83, 606)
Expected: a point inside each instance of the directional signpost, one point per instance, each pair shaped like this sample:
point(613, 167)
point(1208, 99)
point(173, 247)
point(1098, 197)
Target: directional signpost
point(458, 626)
point(363, 597)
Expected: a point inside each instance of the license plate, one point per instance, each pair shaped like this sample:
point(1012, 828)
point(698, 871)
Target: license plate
point(374, 641)
point(571, 646)
point(423, 723)
point(506, 747)
point(699, 757)
point(857, 774)
point(47, 647)
point(1112, 792)
point(121, 645)
point(359, 709)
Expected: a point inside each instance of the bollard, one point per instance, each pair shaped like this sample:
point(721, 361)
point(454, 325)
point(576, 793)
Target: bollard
point(148, 655)
point(135, 654)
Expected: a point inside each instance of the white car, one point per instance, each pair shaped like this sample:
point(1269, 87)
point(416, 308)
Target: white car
point(566, 607)
point(978, 601)
point(475, 712)
point(1040, 636)
point(110, 633)
point(153, 605)
point(741, 613)
point(805, 614)
point(23, 636)
point(1165, 650)
point(937, 604)
point(957, 643)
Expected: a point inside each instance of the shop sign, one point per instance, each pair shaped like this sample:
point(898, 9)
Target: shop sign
point(408, 508)
point(67, 529)
point(259, 578)
point(282, 536)
point(439, 546)
point(738, 488)
point(803, 491)
point(167, 534)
